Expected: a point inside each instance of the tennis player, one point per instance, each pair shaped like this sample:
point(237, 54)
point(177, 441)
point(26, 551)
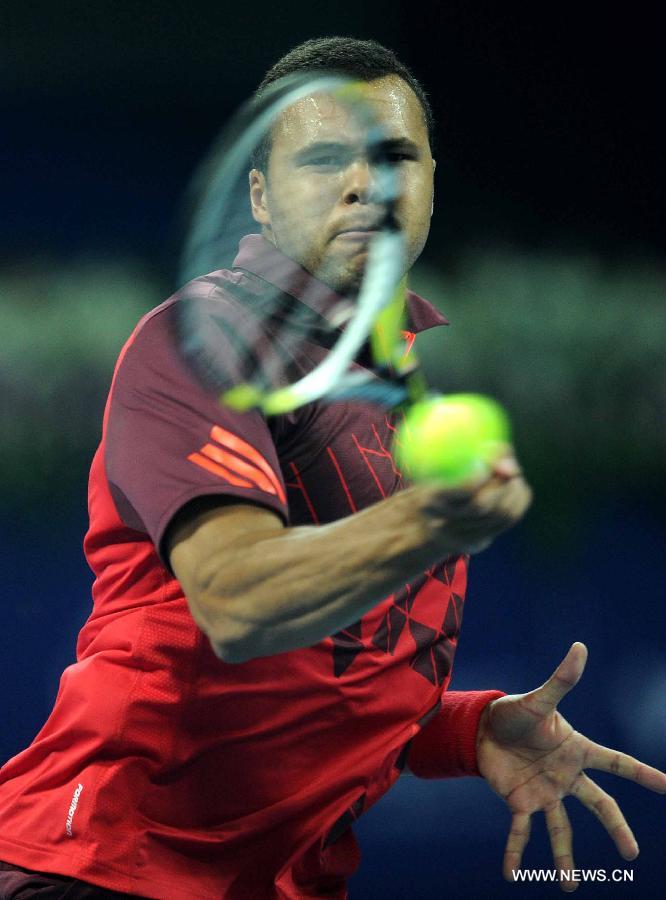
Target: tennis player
point(274, 612)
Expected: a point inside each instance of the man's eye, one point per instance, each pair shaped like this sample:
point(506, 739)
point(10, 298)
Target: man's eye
point(325, 161)
point(399, 156)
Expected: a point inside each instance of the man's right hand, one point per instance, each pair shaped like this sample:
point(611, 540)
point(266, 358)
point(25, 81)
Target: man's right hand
point(475, 514)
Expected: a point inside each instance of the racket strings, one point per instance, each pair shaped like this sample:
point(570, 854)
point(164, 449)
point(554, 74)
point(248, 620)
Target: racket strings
point(256, 337)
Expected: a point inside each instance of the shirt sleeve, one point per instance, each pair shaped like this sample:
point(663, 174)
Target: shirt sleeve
point(168, 440)
point(446, 746)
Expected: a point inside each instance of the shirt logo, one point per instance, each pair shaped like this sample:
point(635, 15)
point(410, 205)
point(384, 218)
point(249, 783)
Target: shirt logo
point(237, 462)
point(72, 810)
point(409, 337)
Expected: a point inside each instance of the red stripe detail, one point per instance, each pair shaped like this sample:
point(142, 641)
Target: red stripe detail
point(394, 443)
point(365, 459)
point(389, 425)
point(301, 487)
point(240, 467)
point(342, 479)
point(238, 445)
point(219, 470)
point(387, 453)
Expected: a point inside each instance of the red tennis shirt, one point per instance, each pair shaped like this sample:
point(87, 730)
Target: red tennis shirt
point(162, 770)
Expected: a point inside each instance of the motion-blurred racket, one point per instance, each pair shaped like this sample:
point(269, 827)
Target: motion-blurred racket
point(220, 215)
point(248, 345)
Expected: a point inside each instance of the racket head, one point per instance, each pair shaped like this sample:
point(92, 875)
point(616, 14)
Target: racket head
point(249, 343)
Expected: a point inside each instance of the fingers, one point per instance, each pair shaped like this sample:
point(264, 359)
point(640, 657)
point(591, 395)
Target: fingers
point(561, 843)
point(503, 468)
point(476, 516)
point(475, 513)
point(506, 466)
point(566, 676)
point(609, 814)
point(519, 835)
point(481, 495)
point(607, 760)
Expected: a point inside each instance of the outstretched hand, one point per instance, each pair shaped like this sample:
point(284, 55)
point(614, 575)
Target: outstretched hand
point(532, 757)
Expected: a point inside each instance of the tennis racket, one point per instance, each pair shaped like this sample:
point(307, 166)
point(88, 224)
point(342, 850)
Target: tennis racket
point(253, 348)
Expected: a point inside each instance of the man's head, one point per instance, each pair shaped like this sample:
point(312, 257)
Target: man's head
point(313, 188)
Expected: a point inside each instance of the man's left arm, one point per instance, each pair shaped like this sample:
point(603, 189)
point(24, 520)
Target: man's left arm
point(533, 758)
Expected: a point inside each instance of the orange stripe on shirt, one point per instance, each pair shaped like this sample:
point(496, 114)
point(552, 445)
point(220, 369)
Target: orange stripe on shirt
point(219, 470)
point(240, 467)
point(238, 445)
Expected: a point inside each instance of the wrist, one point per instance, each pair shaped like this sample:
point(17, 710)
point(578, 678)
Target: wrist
point(447, 746)
point(428, 510)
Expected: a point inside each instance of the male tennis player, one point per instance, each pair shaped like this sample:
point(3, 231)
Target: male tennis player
point(274, 618)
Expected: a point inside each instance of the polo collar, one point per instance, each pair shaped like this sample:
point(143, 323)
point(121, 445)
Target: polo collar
point(259, 257)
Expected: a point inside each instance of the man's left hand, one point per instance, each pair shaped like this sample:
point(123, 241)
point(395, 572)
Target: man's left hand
point(532, 757)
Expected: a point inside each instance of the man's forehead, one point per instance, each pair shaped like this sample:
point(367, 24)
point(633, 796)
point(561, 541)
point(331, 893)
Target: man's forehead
point(322, 116)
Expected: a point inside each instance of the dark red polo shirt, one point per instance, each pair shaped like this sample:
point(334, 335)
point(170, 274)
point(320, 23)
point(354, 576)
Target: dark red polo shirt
point(163, 771)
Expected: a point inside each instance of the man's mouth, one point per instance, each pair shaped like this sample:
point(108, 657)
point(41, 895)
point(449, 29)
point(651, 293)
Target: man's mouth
point(358, 231)
point(357, 234)
point(365, 228)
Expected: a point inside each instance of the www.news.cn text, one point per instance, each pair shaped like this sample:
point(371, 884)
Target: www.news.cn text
point(573, 875)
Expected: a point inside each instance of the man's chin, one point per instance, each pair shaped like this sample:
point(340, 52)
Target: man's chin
point(347, 277)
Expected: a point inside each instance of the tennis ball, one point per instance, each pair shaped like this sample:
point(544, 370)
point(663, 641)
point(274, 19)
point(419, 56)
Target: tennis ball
point(452, 439)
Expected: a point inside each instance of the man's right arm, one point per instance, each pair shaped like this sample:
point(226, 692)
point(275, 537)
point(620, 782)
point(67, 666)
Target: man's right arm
point(258, 588)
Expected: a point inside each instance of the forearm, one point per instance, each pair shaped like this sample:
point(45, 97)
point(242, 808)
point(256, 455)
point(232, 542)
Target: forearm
point(291, 588)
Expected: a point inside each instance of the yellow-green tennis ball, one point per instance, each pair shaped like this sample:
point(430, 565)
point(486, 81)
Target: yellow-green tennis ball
point(452, 439)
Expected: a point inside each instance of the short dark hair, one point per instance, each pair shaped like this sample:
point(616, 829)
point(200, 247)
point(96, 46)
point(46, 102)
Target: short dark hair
point(365, 60)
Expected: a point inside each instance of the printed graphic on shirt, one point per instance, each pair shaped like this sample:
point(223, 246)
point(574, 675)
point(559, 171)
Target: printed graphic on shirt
point(433, 641)
point(237, 462)
point(356, 469)
point(330, 479)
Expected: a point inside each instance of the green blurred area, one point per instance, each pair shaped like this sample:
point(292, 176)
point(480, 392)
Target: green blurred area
point(62, 327)
point(574, 348)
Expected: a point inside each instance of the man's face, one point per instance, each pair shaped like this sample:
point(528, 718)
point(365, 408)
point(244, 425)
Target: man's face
point(318, 201)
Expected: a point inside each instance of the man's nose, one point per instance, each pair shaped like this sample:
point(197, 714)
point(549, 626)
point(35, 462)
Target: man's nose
point(360, 182)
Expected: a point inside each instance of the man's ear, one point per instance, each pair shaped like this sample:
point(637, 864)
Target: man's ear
point(432, 202)
point(259, 198)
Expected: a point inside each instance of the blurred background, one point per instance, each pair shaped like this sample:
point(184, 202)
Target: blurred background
point(546, 254)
